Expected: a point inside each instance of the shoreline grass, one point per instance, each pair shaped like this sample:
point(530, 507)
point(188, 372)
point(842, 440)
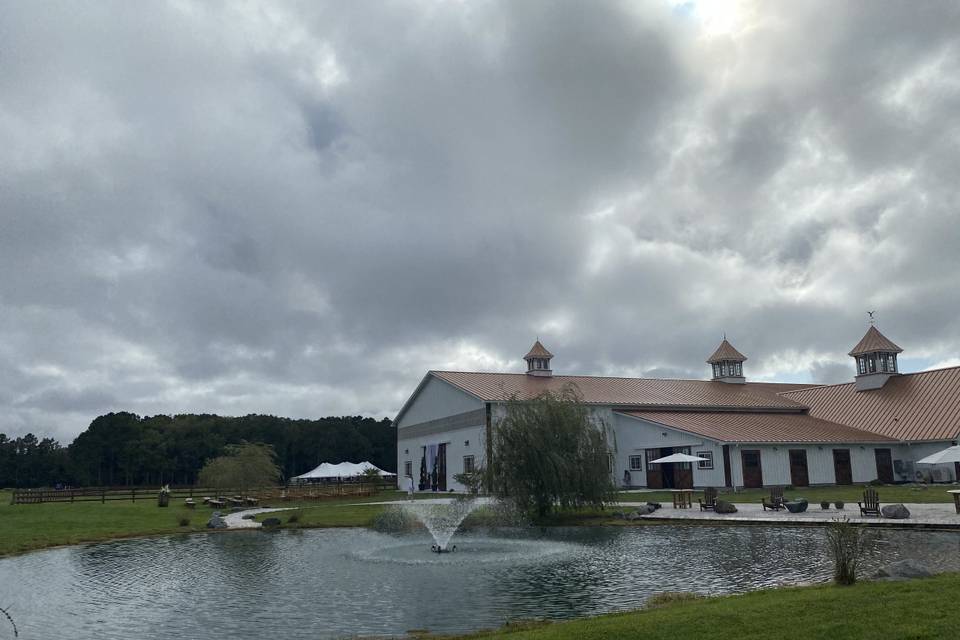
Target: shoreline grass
point(922, 608)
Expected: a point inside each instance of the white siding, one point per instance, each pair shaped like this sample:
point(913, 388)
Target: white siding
point(634, 436)
point(438, 399)
point(411, 449)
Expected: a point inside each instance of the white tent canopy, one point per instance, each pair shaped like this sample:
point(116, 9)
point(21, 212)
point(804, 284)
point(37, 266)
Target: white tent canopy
point(950, 454)
point(341, 470)
point(678, 457)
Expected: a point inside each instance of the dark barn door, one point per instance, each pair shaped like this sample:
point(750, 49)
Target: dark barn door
point(682, 471)
point(799, 477)
point(841, 466)
point(442, 467)
point(654, 473)
point(727, 475)
point(884, 465)
point(752, 472)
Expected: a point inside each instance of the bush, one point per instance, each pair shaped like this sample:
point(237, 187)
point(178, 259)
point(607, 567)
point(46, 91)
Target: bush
point(294, 517)
point(846, 544)
point(838, 504)
point(394, 520)
point(875, 483)
point(184, 522)
point(824, 505)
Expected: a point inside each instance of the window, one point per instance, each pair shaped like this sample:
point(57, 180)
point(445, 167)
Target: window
point(466, 443)
point(408, 468)
point(705, 464)
point(468, 464)
point(636, 463)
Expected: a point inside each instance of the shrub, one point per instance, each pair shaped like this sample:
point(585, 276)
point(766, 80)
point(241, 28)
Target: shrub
point(670, 598)
point(184, 522)
point(824, 505)
point(294, 517)
point(876, 483)
point(846, 544)
point(838, 504)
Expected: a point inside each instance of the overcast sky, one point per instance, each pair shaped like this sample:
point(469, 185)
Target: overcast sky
point(298, 209)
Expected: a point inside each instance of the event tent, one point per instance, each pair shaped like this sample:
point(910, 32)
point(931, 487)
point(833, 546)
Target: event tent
point(328, 471)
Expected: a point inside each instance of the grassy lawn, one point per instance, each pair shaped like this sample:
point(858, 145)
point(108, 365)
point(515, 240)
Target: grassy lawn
point(35, 526)
point(849, 494)
point(910, 609)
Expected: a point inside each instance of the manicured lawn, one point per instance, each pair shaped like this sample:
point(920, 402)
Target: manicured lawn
point(35, 526)
point(849, 494)
point(911, 609)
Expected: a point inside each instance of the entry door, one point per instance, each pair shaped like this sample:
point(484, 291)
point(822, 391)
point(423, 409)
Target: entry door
point(752, 472)
point(884, 465)
point(442, 467)
point(654, 473)
point(798, 468)
point(683, 471)
point(841, 466)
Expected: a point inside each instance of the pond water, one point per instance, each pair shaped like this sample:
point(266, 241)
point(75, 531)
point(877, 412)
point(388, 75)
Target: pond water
point(325, 583)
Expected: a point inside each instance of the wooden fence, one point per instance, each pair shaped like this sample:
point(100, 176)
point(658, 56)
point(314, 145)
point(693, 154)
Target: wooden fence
point(287, 493)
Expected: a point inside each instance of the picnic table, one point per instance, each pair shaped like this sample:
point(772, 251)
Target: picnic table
point(956, 498)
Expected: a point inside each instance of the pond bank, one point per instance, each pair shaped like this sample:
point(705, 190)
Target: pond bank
point(923, 608)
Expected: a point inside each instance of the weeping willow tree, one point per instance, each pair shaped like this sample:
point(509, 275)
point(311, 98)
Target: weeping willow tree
point(550, 453)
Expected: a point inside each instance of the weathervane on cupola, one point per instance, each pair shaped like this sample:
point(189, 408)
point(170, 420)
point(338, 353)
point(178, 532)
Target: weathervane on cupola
point(538, 360)
point(727, 363)
point(876, 357)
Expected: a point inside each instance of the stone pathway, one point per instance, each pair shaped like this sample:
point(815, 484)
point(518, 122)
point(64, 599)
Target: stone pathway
point(940, 515)
point(235, 520)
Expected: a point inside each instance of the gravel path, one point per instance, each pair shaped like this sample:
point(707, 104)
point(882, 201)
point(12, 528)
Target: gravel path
point(235, 520)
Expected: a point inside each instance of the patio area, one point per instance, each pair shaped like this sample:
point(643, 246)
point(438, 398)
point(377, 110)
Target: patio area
point(931, 515)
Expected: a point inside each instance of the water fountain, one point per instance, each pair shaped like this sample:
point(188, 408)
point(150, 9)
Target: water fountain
point(442, 519)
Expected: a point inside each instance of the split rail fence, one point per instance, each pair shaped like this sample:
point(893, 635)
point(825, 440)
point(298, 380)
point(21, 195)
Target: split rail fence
point(287, 493)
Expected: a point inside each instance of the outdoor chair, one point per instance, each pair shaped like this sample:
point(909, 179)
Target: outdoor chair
point(871, 503)
point(189, 503)
point(776, 499)
point(709, 501)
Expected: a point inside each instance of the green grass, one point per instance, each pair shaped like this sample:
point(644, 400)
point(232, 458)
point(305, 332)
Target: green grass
point(849, 494)
point(911, 609)
point(36, 526)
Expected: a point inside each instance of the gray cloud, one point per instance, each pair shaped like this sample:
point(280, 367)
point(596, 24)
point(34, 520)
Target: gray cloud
point(298, 208)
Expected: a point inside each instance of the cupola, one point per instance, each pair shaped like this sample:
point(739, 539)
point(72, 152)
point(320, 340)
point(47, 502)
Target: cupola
point(538, 361)
point(876, 358)
point(727, 364)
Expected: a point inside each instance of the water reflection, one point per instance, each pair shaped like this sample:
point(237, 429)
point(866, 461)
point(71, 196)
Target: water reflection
point(331, 583)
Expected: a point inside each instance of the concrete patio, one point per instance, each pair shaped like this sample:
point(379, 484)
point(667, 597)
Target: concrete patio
point(936, 515)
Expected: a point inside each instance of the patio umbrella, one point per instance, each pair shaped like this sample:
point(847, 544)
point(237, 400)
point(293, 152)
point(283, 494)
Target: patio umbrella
point(678, 457)
point(950, 454)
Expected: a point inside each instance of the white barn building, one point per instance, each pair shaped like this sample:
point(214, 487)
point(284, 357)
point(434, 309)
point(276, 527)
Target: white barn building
point(752, 434)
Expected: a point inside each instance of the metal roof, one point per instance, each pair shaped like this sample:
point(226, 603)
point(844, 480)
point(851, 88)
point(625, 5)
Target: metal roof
point(635, 392)
point(755, 427)
point(538, 351)
point(873, 341)
point(914, 406)
point(726, 352)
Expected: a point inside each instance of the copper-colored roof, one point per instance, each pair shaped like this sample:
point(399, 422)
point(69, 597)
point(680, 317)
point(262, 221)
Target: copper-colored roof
point(726, 352)
point(731, 426)
point(538, 351)
point(650, 392)
point(915, 406)
point(873, 341)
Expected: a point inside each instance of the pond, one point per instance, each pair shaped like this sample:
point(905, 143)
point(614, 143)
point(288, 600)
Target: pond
point(325, 583)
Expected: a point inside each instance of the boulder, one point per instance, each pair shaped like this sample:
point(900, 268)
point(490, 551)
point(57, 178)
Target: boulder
point(645, 510)
point(894, 511)
point(248, 516)
point(655, 505)
point(725, 507)
point(903, 569)
point(216, 522)
point(271, 522)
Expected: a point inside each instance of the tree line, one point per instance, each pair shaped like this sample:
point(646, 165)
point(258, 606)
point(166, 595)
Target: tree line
point(123, 449)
